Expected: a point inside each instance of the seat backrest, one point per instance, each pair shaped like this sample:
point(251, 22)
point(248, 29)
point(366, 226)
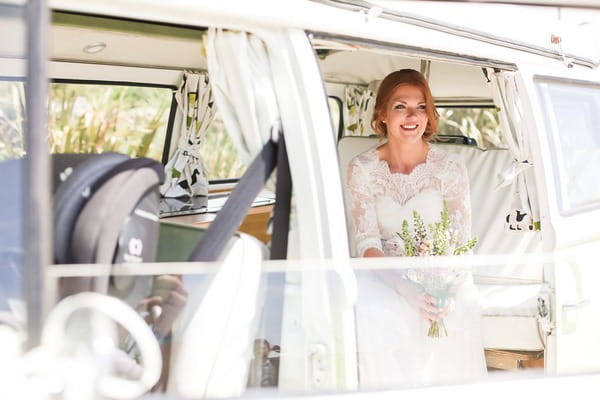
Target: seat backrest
point(351, 146)
point(489, 208)
point(220, 319)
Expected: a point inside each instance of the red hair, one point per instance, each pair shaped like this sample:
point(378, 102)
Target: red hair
point(387, 87)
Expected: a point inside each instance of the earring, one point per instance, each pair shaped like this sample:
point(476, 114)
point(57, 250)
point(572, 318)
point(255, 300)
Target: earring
point(383, 121)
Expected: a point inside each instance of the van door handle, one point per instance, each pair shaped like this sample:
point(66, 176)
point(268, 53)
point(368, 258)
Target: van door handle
point(580, 303)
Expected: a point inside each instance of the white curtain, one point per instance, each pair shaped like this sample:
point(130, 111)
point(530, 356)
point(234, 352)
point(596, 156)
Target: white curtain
point(243, 89)
point(242, 77)
point(242, 83)
point(506, 96)
point(186, 173)
point(359, 109)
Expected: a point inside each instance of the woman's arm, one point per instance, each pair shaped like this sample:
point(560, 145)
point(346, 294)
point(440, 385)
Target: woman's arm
point(456, 191)
point(363, 216)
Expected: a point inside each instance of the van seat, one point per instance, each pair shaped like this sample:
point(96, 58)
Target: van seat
point(216, 330)
point(509, 292)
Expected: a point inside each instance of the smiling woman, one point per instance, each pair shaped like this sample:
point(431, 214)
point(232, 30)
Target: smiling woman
point(387, 185)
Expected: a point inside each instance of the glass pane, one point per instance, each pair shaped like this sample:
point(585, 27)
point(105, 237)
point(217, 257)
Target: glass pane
point(267, 328)
point(101, 118)
point(219, 153)
point(481, 124)
point(573, 115)
point(12, 119)
point(12, 150)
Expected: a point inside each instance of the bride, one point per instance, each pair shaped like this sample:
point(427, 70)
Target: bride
point(385, 185)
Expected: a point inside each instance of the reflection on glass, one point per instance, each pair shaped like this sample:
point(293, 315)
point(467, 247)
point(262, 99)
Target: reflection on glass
point(12, 120)
point(323, 326)
point(11, 242)
point(264, 367)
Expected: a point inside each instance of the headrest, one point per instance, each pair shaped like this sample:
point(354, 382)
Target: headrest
point(351, 146)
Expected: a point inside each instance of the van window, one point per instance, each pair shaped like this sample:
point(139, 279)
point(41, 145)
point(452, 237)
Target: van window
point(479, 123)
point(335, 110)
point(95, 118)
point(219, 154)
point(12, 120)
point(572, 116)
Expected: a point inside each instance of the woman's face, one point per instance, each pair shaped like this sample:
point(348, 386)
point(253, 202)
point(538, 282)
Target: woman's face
point(406, 114)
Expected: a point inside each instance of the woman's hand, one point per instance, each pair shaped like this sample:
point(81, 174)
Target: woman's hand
point(428, 305)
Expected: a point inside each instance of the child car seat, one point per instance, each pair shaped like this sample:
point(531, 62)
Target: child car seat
point(105, 212)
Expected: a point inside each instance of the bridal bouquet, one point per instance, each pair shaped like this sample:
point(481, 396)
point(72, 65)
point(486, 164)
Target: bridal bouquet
point(437, 239)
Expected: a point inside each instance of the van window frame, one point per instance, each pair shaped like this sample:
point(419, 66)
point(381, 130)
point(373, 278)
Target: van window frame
point(172, 107)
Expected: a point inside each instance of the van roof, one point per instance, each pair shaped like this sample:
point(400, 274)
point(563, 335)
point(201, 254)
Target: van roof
point(499, 24)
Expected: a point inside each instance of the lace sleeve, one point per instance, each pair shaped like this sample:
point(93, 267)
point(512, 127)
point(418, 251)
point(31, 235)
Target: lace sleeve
point(456, 192)
point(363, 217)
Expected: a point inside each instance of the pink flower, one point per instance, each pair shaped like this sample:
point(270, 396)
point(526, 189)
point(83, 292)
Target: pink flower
point(425, 248)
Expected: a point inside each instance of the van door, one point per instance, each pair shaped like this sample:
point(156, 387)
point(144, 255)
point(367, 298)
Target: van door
point(561, 109)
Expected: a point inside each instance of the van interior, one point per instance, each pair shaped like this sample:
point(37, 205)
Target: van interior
point(113, 89)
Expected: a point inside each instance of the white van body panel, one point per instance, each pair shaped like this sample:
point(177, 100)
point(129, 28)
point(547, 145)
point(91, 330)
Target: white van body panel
point(313, 16)
point(574, 239)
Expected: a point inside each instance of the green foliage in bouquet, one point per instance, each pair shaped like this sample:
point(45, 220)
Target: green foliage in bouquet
point(439, 240)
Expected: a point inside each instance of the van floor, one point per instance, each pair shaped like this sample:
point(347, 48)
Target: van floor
point(512, 360)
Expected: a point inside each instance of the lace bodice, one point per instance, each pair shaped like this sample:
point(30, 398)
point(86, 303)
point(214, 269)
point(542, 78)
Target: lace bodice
point(380, 200)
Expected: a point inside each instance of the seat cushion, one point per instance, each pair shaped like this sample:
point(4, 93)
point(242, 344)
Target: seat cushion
point(509, 316)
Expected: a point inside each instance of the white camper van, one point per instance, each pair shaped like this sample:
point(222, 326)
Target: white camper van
point(138, 141)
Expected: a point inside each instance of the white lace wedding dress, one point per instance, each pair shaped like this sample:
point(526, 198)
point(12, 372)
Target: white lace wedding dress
point(394, 349)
